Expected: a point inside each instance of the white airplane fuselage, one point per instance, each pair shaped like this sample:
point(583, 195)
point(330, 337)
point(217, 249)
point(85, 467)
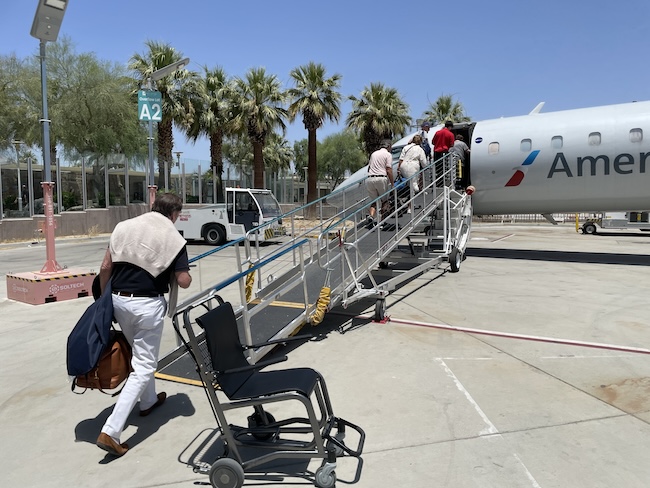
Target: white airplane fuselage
point(569, 161)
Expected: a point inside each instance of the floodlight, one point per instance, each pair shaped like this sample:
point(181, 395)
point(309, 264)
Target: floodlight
point(48, 18)
point(169, 69)
point(60, 4)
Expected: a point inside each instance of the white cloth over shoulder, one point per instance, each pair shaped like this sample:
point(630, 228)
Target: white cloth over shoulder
point(150, 241)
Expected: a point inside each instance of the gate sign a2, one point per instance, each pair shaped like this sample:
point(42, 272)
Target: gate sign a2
point(149, 105)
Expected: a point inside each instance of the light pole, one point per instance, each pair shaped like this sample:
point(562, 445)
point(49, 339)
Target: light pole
point(20, 187)
point(178, 161)
point(155, 76)
point(46, 25)
point(306, 170)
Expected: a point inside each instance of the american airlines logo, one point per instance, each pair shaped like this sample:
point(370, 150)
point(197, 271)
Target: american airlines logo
point(520, 171)
point(622, 164)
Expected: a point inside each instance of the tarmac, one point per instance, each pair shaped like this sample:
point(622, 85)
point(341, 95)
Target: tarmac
point(528, 368)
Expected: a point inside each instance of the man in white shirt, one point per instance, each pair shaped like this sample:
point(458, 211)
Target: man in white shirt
point(380, 177)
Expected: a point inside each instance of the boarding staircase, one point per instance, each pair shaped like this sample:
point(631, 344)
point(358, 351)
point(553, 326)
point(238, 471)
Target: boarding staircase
point(331, 257)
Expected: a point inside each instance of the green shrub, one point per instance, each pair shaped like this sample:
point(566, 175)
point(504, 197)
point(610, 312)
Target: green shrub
point(9, 202)
point(70, 199)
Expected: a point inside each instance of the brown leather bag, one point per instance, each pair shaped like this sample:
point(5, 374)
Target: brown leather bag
point(113, 368)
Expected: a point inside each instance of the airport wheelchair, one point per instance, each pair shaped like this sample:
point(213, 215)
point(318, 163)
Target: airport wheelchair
point(222, 365)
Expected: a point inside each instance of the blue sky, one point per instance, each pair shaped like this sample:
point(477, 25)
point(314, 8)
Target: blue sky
point(497, 58)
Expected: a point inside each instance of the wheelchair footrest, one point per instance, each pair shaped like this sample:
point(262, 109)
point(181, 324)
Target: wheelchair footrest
point(337, 439)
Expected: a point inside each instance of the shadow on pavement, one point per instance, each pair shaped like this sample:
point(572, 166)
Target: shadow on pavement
point(178, 405)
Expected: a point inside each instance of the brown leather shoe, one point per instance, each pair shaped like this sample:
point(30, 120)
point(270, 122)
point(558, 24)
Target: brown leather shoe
point(162, 396)
point(106, 442)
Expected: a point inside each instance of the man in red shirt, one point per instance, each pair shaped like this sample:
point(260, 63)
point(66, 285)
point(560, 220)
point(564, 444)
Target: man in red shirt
point(443, 140)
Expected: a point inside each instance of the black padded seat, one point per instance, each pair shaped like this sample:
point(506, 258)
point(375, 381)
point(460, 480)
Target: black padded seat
point(263, 383)
point(227, 355)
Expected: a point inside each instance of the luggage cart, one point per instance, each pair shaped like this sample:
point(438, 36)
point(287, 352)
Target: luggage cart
point(211, 335)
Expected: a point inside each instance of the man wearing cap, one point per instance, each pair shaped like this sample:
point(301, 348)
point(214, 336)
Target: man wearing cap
point(443, 140)
point(380, 177)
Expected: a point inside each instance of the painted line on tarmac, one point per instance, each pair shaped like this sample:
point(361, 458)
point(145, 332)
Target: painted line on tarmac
point(280, 303)
point(529, 475)
point(490, 429)
point(177, 379)
point(503, 238)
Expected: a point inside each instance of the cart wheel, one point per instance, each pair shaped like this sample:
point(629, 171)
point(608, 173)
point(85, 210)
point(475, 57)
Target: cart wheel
point(214, 235)
point(383, 265)
point(255, 420)
point(325, 478)
point(338, 450)
point(380, 310)
point(455, 258)
point(589, 228)
point(226, 473)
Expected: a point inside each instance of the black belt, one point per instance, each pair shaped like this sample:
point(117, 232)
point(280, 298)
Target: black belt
point(377, 176)
point(137, 295)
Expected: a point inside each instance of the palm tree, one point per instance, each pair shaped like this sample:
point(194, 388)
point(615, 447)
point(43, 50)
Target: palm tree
point(277, 154)
point(211, 116)
point(257, 112)
point(379, 113)
point(316, 98)
point(237, 150)
point(174, 91)
point(445, 109)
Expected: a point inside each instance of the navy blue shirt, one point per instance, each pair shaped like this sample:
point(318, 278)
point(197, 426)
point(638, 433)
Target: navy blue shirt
point(130, 278)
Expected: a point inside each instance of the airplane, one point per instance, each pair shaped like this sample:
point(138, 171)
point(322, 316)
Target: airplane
point(580, 160)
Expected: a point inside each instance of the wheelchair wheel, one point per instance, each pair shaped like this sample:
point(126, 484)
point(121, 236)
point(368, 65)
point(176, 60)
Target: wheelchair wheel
point(325, 477)
point(226, 473)
point(255, 420)
point(337, 449)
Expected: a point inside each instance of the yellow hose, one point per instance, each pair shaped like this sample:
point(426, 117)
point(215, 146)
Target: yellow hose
point(250, 280)
point(321, 306)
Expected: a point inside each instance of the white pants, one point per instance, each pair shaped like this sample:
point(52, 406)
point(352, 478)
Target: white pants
point(408, 169)
point(141, 320)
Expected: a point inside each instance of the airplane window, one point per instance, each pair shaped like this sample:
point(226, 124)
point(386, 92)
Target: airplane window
point(594, 139)
point(636, 135)
point(556, 142)
point(526, 145)
point(493, 148)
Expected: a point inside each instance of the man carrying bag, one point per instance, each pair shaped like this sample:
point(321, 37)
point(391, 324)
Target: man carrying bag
point(146, 258)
